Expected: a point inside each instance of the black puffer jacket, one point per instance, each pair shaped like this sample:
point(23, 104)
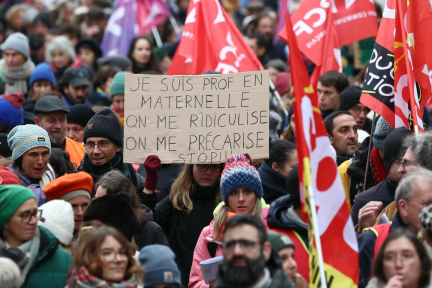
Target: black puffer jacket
point(181, 228)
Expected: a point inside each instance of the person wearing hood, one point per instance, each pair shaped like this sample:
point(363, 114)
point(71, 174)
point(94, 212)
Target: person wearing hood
point(104, 151)
point(242, 191)
point(384, 192)
point(246, 264)
point(149, 232)
point(273, 171)
point(284, 217)
point(16, 65)
point(31, 148)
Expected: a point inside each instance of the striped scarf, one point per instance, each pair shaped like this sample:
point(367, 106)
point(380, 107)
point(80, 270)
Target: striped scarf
point(377, 167)
point(83, 279)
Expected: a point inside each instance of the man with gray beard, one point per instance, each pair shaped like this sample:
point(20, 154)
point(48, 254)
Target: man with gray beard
point(50, 114)
point(248, 258)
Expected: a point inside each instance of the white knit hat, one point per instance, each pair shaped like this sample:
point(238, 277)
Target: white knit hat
point(61, 43)
point(58, 218)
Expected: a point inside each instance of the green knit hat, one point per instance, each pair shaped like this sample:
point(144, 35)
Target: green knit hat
point(279, 241)
point(11, 198)
point(118, 84)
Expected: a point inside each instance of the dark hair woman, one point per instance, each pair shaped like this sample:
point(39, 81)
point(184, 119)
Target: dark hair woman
point(402, 262)
point(142, 56)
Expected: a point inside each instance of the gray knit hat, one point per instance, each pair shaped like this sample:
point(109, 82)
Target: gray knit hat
point(19, 42)
point(104, 124)
point(25, 137)
point(60, 43)
point(382, 129)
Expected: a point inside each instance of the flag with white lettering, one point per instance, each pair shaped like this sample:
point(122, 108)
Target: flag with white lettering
point(354, 20)
point(318, 170)
point(211, 42)
point(150, 13)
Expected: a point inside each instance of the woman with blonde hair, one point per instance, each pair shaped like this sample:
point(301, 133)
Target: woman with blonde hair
point(188, 208)
point(104, 258)
point(241, 192)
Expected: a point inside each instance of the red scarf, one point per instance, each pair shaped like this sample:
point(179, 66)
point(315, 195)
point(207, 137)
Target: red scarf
point(377, 167)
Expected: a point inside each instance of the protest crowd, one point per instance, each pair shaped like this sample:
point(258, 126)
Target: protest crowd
point(76, 211)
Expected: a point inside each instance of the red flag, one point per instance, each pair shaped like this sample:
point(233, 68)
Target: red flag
point(354, 20)
point(318, 170)
point(211, 41)
point(150, 13)
point(399, 69)
point(331, 54)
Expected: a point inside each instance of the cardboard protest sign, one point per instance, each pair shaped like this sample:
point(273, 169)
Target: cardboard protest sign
point(196, 119)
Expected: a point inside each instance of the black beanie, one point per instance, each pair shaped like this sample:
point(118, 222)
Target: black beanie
point(5, 151)
point(115, 211)
point(104, 124)
point(80, 114)
point(393, 145)
point(349, 97)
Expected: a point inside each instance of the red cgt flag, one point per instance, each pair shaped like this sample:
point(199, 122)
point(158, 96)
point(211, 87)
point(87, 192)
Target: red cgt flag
point(318, 170)
point(211, 41)
point(354, 20)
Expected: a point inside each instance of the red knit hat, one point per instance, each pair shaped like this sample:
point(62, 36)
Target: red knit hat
point(7, 177)
point(283, 83)
point(69, 186)
point(15, 99)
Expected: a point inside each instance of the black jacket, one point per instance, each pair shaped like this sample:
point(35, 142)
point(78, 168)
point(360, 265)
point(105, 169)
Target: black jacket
point(181, 228)
point(151, 233)
point(366, 242)
point(384, 192)
point(274, 265)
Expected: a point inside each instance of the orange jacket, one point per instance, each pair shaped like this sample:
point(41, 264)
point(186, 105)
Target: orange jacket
point(76, 151)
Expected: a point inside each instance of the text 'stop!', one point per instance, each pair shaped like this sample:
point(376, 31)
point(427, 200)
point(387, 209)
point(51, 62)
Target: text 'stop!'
point(196, 119)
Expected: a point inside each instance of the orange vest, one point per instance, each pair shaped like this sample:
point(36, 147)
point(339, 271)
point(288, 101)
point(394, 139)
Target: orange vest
point(76, 151)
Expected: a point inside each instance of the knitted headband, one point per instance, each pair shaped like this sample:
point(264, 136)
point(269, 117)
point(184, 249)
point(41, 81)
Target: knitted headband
point(239, 173)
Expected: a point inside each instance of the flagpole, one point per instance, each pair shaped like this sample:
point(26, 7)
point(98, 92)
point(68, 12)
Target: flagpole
point(317, 236)
point(369, 150)
point(157, 36)
point(279, 99)
point(174, 24)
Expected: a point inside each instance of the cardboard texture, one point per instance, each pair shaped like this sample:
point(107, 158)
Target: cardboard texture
point(196, 119)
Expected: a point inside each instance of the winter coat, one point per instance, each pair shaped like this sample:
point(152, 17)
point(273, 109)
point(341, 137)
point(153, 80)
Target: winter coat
point(35, 185)
point(281, 218)
point(181, 228)
point(366, 242)
point(51, 264)
point(202, 253)
point(384, 192)
point(151, 233)
point(277, 275)
point(273, 183)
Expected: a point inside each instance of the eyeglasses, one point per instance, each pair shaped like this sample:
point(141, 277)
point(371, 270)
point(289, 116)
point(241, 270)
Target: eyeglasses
point(357, 110)
point(109, 255)
point(405, 163)
point(245, 244)
point(27, 216)
point(103, 144)
point(424, 204)
point(214, 168)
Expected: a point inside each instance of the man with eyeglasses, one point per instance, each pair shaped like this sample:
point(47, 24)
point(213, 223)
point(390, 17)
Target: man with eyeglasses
point(412, 195)
point(350, 101)
point(103, 143)
point(50, 114)
point(248, 258)
point(368, 204)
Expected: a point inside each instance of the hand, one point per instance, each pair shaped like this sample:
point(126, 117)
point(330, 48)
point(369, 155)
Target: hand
point(151, 164)
point(368, 214)
point(395, 282)
point(212, 283)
